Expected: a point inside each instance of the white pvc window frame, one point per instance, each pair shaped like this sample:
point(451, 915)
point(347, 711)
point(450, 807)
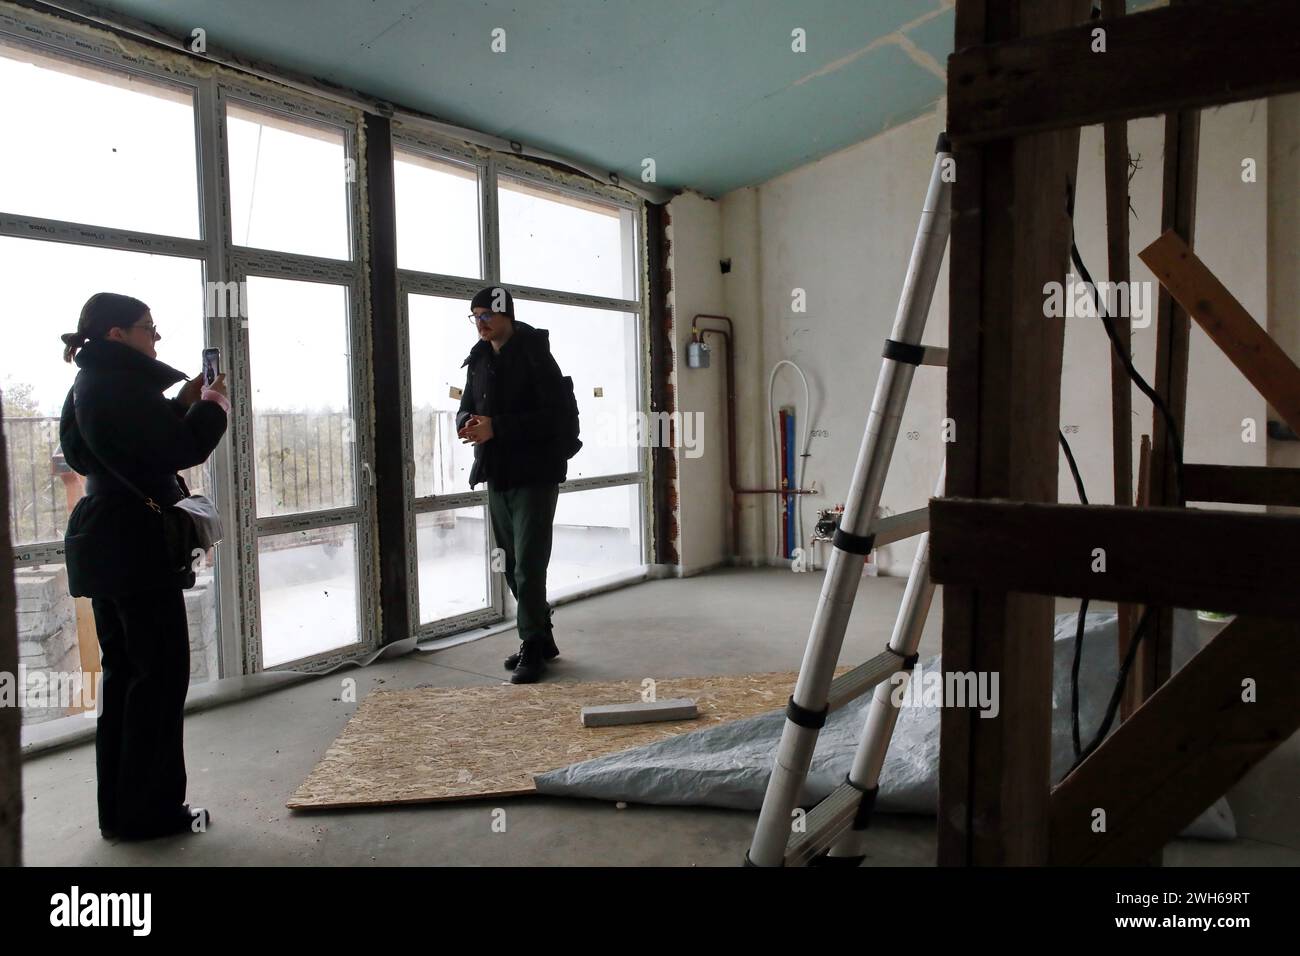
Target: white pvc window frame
point(412, 282)
point(233, 478)
point(245, 261)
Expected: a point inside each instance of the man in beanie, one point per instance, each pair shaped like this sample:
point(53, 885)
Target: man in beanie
point(517, 411)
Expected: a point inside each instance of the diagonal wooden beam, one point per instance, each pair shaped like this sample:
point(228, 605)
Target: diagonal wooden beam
point(1213, 720)
point(1185, 56)
point(1227, 323)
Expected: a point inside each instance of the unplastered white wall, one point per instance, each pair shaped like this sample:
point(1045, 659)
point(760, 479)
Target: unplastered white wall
point(841, 230)
point(1231, 238)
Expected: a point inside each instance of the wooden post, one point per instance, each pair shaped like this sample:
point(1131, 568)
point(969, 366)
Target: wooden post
point(11, 791)
point(1010, 235)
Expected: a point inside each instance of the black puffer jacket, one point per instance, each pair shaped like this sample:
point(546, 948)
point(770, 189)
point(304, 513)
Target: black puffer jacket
point(521, 388)
point(114, 543)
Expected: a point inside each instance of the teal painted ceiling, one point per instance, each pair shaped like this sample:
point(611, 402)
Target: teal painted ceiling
point(709, 89)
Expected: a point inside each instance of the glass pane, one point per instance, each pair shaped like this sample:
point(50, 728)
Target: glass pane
point(597, 535)
point(58, 647)
point(309, 593)
point(288, 184)
point(550, 240)
point(437, 216)
point(92, 145)
point(45, 285)
point(452, 547)
point(303, 431)
point(440, 338)
point(598, 350)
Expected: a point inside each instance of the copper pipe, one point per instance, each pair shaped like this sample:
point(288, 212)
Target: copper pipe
point(736, 492)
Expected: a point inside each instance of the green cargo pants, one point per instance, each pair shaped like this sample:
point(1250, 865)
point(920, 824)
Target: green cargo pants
point(522, 520)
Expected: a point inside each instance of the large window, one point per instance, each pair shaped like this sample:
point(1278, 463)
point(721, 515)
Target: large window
point(304, 446)
point(234, 208)
point(231, 210)
point(94, 157)
point(294, 195)
point(570, 257)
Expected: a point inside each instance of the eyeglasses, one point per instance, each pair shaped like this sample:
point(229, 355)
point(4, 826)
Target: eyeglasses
point(481, 317)
point(150, 328)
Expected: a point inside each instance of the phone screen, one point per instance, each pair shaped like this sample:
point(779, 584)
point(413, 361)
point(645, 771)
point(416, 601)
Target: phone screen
point(211, 365)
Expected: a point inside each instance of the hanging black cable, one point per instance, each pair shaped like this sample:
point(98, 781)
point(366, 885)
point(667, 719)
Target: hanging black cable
point(1113, 706)
point(1108, 323)
point(1083, 612)
point(1176, 441)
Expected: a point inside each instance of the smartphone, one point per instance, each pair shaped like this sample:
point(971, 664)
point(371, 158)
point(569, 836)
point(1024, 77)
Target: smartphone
point(211, 365)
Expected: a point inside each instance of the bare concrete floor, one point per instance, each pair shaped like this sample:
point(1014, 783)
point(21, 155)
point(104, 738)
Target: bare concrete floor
point(245, 759)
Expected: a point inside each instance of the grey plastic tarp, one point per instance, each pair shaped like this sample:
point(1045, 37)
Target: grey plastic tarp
point(728, 765)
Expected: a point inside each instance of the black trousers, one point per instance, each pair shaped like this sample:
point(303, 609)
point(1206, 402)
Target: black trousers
point(139, 749)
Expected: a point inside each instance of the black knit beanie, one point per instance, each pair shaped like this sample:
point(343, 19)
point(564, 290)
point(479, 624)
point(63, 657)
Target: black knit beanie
point(494, 298)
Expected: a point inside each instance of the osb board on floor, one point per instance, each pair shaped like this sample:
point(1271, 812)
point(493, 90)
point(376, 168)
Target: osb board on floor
point(431, 744)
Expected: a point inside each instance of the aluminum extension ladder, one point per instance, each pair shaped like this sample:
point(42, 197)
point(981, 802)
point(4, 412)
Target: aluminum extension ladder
point(835, 831)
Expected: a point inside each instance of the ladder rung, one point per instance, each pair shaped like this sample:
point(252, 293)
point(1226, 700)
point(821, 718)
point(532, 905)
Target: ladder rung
point(823, 825)
point(853, 684)
point(935, 355)
point(897, 527)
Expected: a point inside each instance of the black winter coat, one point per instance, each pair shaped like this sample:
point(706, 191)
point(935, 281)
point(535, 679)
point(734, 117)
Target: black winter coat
point(522, 389)
point(114, 544)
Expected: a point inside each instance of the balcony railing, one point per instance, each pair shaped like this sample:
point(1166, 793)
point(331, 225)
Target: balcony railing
point(43, 490)
point(305, 462)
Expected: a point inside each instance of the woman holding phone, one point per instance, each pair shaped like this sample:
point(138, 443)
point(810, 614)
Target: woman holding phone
point(130, 442)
